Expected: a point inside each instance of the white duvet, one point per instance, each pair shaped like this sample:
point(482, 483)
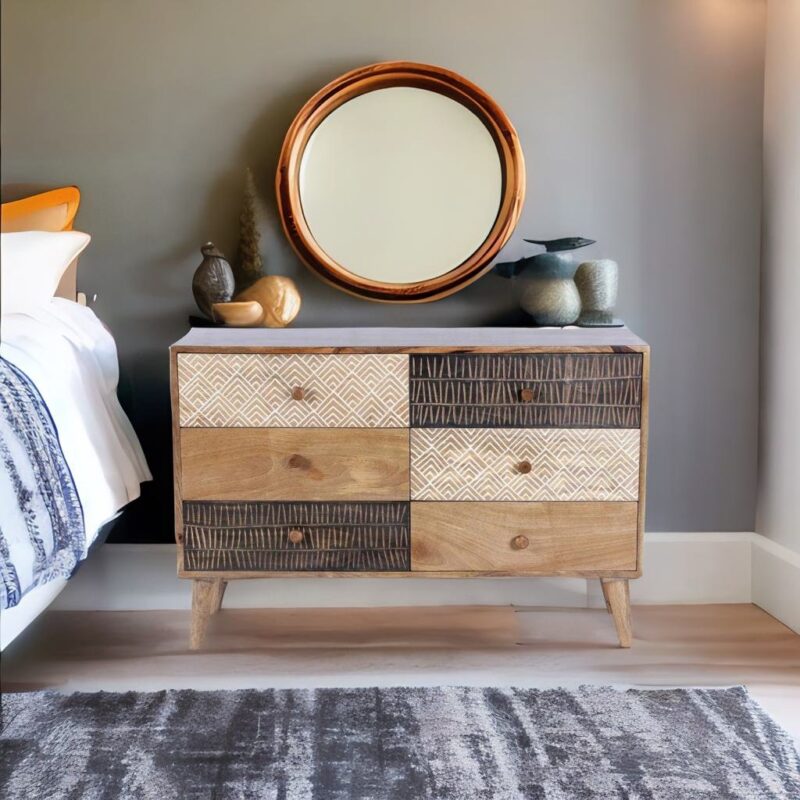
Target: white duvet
point(72, 359)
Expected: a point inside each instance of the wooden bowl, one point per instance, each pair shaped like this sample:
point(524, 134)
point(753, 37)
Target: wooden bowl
point(238, 314)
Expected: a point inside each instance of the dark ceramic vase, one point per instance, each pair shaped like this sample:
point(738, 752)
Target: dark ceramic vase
point(548, 291)
point(213, 280)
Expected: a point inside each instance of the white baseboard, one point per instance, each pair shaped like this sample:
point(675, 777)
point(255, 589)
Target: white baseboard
point(678, 568)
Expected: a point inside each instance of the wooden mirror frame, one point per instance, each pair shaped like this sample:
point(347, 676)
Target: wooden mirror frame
point(382, 76)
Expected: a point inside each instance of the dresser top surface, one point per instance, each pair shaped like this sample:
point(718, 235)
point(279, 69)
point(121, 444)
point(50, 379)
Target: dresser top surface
point(402, 338)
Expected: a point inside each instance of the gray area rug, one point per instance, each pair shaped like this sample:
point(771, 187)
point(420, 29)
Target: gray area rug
point(337, 744)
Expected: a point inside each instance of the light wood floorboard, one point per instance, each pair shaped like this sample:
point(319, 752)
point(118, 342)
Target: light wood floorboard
point(713, 645)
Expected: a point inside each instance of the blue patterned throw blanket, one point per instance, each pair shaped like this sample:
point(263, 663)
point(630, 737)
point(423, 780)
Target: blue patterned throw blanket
point(42, 535)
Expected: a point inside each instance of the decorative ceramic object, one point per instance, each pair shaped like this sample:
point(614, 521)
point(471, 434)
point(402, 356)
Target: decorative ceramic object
point(561, 245)
point(213, 280)
point(249, 266)
point(271, 302)
point(510, 269)
point(548, 292)
point(597, 283)
point(279, 299)
point(238, 315)
point(547, 286)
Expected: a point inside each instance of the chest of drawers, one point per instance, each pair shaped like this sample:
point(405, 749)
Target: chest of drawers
point(409, 453)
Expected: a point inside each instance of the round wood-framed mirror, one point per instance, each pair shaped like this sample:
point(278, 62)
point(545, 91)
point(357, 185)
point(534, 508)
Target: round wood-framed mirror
point(400, 182)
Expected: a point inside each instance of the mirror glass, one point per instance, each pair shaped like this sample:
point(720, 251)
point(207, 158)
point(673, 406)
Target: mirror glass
point(400, 184)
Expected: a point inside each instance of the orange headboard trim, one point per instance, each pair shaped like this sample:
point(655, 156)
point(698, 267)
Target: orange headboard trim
point(49, 211)
point(41, 211)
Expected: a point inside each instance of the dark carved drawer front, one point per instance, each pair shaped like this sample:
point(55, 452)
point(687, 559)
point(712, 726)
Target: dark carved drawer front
point(295, 537)
point(545, 390)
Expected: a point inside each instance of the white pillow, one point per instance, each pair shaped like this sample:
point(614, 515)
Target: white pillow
point(32, 264)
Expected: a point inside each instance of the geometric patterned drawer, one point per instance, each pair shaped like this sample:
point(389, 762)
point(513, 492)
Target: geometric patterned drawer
point(251, 390)
point(533, 390)
point(527, 464)
point(327, 537)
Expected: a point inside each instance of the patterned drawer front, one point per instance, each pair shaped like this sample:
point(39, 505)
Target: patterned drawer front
point(250, 390)
point(295, 537)
point(545, 390)
point(546, 538)
point(524, 464)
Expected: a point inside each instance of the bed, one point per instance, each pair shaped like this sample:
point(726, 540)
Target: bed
point(69, 458)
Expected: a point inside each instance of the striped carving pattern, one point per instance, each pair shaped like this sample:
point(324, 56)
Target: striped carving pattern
point(565, 464)
point(254, 536)
point(566, 390)
point(251, 390)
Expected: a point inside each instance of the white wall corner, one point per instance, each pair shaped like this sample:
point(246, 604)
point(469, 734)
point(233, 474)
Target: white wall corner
point(775, 580)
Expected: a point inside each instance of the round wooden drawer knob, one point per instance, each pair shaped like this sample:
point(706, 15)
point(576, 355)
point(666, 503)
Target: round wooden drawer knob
point(526, 395)
point(524, 467)
point(298, 393)
point(295, 536)
point(519, 542)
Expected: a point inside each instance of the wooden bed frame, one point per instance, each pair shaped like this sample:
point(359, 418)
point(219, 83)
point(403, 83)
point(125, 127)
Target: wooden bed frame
point(54, 210)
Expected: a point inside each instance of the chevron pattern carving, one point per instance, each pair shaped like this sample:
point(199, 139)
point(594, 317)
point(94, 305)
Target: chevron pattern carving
point(250, 390)
point(566, 464)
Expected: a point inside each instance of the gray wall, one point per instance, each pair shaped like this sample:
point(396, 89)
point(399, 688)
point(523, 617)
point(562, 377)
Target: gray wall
point(779, 462)
point(641, 124)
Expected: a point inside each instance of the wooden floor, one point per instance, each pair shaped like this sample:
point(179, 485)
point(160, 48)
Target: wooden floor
point(718, 645)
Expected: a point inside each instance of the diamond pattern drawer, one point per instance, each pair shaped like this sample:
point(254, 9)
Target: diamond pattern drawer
point(253, 390)
point(524, 464)
point(536, 390)
point(296, 537)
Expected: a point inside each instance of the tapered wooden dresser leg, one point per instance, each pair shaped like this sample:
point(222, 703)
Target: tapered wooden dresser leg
point(618, 600)
point(605, 595)
point(220, 593)
point(206, 600)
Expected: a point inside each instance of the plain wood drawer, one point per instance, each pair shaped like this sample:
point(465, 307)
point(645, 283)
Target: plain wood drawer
point(255, 390)
point(294, 464)
point(534, 390)
point(547, 538)
point(295, 537)
point(524, 464)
